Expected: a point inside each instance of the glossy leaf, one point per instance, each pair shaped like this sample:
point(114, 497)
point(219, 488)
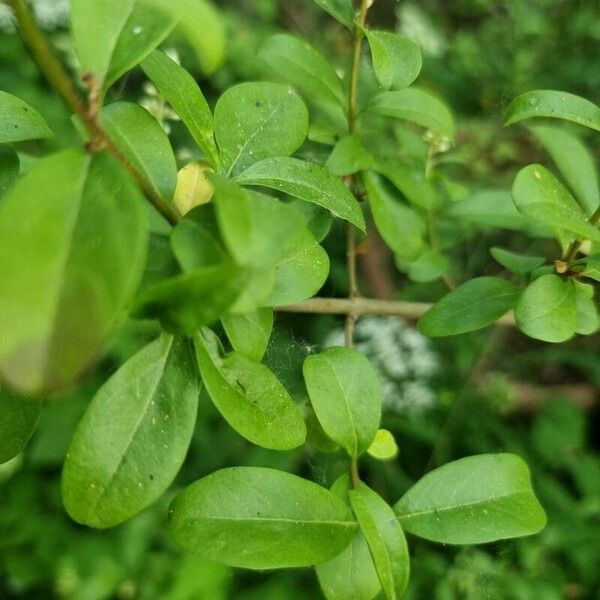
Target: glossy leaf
point(249, 396)
point(396, 59)
point(409, 180)
point(181, 91)
point(341, 10)
point(84, 245)
point(19, 121)
point(385, 539)
point(547, 309)
point(307, 181)
point(144, 143)
point(351, 574)
point(9, 168)
point(540, 196)
point(187, 302)
point(346, 396)
point(193, 187)
point(399, 225)
point(588, 320)
point(300, 273)
point(302, 66)
point(519, 264)
point(249, 333)
point(557, 105)
point(110, 38)
point(18, 420)
point(349, 156)
point(473, 305)
point(260, 518)
point(575, 161)
point(473, 500)
point(416, 106)
point(133, 437)
point(254, 121)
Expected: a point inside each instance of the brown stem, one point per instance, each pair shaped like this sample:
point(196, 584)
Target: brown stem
point(54, 71)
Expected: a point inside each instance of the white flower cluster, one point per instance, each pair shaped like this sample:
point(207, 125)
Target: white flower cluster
point(402, 357)
point(50, 15)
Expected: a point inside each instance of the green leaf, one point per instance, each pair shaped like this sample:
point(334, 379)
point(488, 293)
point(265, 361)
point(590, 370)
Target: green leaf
point(254, 121)
point(9, 168)
point(471, 306)
point(144, 143)
point(429, 266)
point(20, 122)
point(259, 518)
point(317, 220)
point(18, 420)
point(385, 539)
point(187, 302)
point(133, 437)
point(384, 446)
point(417, 106)
point(540, 196)
point(396, 59)
point(181, 91)
point(194, 247)
point(72, 254)
point(547, 309)
point(575, 161)
point(249, 396)
point(473, 500)
point(400, 226)
point(519, 264)
point(306, 181)
point(301, 65)
point(300, 273)
point(351, 574)
point(349, 156)
point(340, 10)
point(257, 229)
point(346, 397)
point(110, 39)
point(249, 333)
point(491, 208)
point(591, 266)
point(588, 320)
point(409, 180)
point(557, 105)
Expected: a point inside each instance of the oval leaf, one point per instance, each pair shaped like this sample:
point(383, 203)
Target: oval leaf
point(575, 161)
point(254, 121)
point(472, 305)
point(399, 225)
point(306, 181)
point(540, 196)
point(249, 333)
point(346, 397)
point(396, 59)
point(144, 143)
point(181, 91)
point(417, 106)
point(301, 65)
point(519, 264)
point(385, 539)
point(249, 396)
point(547, 309)
point(259, 518)
point(84, 245)
point(473, 500)
point(133, 437)
point(557, 105)
point(19, 122)
point(341, 10)
point(588, 319)
point(18, 420)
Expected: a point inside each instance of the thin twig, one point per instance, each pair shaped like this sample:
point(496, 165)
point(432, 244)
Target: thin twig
point(369, 306)
point(53, 70)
